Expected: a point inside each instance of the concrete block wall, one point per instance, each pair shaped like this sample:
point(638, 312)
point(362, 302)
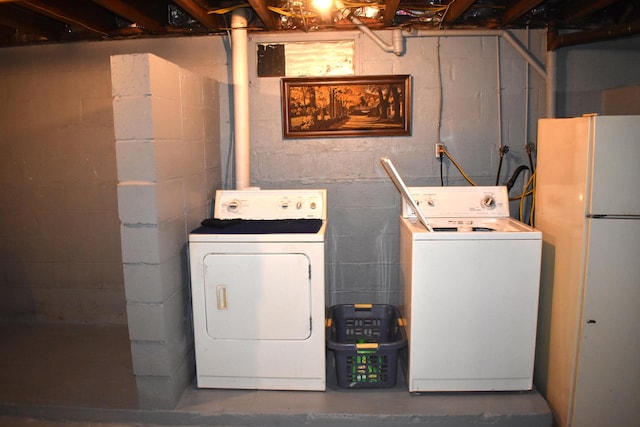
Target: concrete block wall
point(581, 80)
point(478, 75)
point(166, 127)
point(58, 157)
point(58, 174)
point(60, 257)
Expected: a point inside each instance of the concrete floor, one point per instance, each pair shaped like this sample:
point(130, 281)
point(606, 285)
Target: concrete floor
point(81, 376)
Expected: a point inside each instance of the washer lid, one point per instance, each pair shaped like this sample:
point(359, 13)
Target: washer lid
point(471, 229)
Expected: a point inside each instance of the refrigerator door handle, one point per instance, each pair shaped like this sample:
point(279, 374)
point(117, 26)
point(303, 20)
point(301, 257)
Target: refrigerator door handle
point(611, 216)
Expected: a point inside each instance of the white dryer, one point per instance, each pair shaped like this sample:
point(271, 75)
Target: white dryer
point(258, 291)
point(470, 291)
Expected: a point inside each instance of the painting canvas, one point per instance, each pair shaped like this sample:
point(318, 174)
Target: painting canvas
point(346, 106)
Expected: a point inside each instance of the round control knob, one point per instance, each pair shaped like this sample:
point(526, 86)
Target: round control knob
point(488, 202)
point(431, 202)
point(299, 205)
point(313, 205)
point(233, 206)
point(284, 205)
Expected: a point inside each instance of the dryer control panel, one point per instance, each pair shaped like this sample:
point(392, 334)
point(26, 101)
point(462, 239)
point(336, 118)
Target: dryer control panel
point(271, 204)
point(476, 202)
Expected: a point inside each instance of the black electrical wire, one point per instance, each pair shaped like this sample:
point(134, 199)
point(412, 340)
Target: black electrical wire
point(515, 176)
point(441, 173)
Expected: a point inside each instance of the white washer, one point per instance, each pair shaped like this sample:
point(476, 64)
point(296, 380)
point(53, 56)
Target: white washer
point(471, 291)
point(258, 291)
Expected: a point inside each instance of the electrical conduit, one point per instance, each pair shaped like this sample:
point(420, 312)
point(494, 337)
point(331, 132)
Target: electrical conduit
point(549, 74)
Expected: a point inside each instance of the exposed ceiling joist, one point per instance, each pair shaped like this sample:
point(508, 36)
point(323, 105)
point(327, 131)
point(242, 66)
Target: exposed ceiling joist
point(30, 23)
point(129, 12)
point(455, 10)
point(37, 21)
point(268, 18)
point(556, 41)
point(390, 12)
point(518, 9)
point(92, 19)
point(576, 10)
point(198, 13)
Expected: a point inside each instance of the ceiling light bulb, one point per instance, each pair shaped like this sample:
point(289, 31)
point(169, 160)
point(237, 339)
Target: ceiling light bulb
point(322, 5)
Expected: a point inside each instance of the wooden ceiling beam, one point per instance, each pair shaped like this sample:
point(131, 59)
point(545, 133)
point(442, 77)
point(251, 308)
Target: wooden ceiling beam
point(516, 10)
point(576, 10)
point(456, 9)
point(132, 14)
point(199, 14)
point(556, 41)
point(76, 15)
point(25, 22)
point(390, 8)
point(268, 18)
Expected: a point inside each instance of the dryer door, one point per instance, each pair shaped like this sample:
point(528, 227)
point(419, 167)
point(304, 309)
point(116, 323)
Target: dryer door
point(258, 296)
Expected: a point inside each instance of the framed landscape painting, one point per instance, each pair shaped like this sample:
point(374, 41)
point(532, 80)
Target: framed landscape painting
point(346, 106)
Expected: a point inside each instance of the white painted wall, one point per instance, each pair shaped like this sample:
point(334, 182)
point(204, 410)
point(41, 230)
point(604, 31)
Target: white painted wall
point(363, 204)
point(585, 71)
point(60, 258)
point(57, 133)
point(60, 253)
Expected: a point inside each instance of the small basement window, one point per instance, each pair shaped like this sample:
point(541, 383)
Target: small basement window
point(297, 59)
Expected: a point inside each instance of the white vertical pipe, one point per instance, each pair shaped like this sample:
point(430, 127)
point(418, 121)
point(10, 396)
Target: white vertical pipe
point(240, 70)
point(499, 92)
point(550, 84)
point(526, 96)
point(397, 41)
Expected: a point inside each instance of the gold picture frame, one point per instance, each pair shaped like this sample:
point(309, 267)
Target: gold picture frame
point(347, 106)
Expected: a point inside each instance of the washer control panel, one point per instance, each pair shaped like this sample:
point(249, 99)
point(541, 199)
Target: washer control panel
point(478, 201)
point(271, 204)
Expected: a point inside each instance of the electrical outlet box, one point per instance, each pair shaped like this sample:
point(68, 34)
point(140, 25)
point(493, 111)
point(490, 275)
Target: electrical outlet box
point(439, 147)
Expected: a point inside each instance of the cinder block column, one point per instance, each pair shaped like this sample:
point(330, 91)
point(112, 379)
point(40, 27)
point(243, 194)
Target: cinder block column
point(164, 117)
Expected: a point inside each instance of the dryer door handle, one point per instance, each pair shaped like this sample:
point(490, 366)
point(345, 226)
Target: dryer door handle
point(221, 297)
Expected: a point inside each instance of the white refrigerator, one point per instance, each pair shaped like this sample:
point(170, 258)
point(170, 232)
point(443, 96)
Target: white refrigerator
point(588, 209)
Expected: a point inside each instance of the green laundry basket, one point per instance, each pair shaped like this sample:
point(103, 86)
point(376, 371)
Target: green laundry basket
point(365, 339)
